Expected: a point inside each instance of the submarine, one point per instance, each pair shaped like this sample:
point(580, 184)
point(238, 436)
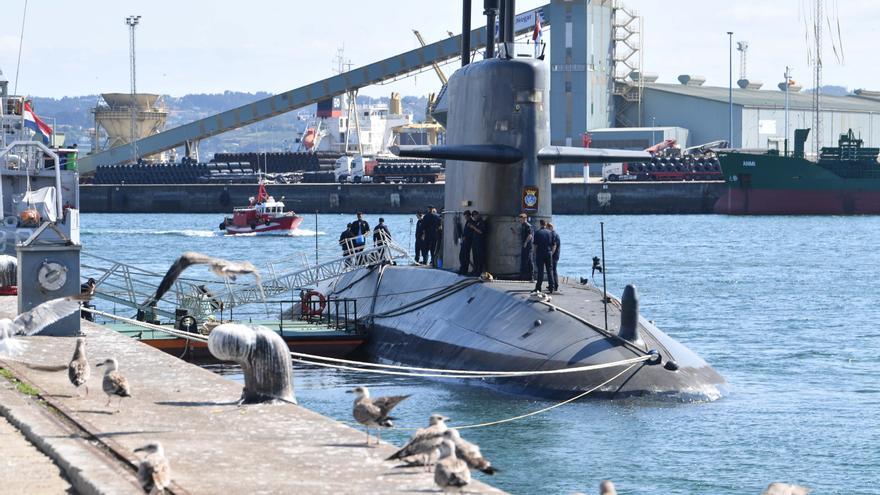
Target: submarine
point(496, 114)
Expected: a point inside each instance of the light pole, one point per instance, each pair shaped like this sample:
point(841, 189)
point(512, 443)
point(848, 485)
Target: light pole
point(132, 21)
point(787, 85)
point(730, 90)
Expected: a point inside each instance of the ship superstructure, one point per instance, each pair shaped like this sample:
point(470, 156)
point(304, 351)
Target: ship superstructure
point(39, 182)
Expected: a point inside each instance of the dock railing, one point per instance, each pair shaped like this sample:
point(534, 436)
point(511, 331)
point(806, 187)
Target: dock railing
point(129, 286)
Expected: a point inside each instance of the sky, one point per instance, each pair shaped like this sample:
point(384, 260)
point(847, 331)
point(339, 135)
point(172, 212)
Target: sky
point(81, 47)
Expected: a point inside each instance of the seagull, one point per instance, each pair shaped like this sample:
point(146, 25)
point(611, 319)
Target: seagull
point(451, 472)
point(78, 370)
point(154, 472)
point(777, 488)
point(374, 412)
point(424, 441)
point(114, 383)
point(606, 487)
point(469, 452)
point(31, 322)
point(222, 268)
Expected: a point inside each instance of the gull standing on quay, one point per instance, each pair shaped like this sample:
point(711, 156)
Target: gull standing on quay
point(114, 383)
point(79, 371)
point(451, 472)
point(469, 452)
point(373, 413)
point(424, 441)
point(222, 268)
point(31, 322)
point(154, 472)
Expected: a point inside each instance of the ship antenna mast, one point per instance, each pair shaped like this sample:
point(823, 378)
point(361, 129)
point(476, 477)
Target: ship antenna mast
point(817, 77)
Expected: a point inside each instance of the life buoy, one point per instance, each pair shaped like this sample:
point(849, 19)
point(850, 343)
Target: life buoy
point(308, 309)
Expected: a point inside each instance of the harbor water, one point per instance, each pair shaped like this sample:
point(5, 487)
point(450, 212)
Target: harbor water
point(784, 307)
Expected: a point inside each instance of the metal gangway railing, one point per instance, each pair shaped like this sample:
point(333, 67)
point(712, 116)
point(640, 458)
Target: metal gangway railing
point(130, 286)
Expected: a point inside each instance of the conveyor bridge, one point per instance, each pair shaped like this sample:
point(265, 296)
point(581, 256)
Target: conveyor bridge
point(398, 65)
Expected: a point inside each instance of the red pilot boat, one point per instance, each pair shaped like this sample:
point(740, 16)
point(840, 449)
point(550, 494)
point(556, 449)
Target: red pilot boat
point(262, 215)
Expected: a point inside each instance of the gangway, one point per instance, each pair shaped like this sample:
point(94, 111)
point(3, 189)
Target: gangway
point(384, 70)
point(130, 286)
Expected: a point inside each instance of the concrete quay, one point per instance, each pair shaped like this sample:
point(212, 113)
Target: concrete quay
point(213, 444)
point(569, 198)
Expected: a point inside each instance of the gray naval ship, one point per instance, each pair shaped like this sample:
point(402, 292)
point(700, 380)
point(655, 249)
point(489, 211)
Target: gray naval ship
point(39, 183)
point(497, 152)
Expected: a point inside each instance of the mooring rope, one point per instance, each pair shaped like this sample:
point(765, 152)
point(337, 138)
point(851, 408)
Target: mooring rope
point(529, 414)
point(405, 370)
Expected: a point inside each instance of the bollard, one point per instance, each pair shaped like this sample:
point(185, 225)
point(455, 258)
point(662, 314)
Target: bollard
point(263, 356)
point(629, 316)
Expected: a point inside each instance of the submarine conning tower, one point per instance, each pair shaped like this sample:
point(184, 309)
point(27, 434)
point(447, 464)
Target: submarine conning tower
point(508, 98)
point(497, 151)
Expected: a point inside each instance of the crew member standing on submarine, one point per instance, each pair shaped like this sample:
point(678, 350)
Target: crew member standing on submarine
point(360, 228)
point(526, 236)
point(557, 244)
point(544, 256)
point(381, 234)
point(464, 244)
point(431, 223)
point(421, 252)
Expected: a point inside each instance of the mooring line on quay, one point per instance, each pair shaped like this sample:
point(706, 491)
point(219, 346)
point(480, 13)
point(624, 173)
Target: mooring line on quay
point(389, 368)
point(630, 363)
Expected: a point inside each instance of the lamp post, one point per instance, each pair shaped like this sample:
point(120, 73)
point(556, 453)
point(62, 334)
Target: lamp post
point(132, 21)
point(730, 90)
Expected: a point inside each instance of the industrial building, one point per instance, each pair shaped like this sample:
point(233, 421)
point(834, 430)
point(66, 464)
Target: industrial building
point(758, 115)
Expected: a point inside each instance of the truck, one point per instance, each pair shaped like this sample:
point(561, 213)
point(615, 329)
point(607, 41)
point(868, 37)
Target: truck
point(670, 163)
point(357, 169)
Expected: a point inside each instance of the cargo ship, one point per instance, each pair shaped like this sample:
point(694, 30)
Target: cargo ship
point(844, 180)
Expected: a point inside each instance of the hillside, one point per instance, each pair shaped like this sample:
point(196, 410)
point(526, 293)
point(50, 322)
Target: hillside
point(73, 116)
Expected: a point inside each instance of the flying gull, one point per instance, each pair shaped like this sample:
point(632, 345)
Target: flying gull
point(373, 413)
point(424, 441)
point(114, 383)
point(222, 268)
point(79, 371)
point(154, 472)
point(451, 472)
point(469, 452)
point(33, 321)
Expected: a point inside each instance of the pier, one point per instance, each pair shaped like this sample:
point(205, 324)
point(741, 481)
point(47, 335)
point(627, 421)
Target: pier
point(577, 198)
point(213, 444)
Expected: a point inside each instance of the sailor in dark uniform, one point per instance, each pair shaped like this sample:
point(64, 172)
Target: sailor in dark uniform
point(431, 222)
point(464, 244)
point(381, 234)
point(478, 244)
point(345, 241)
point(526, 236)
point(557, 245)
point(544, 256)
point(360, 227)
point(421, 252)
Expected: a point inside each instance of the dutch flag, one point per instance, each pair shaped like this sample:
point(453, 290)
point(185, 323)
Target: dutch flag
point(32, 122)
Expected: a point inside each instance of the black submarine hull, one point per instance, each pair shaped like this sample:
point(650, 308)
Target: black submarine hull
point(431, 318)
